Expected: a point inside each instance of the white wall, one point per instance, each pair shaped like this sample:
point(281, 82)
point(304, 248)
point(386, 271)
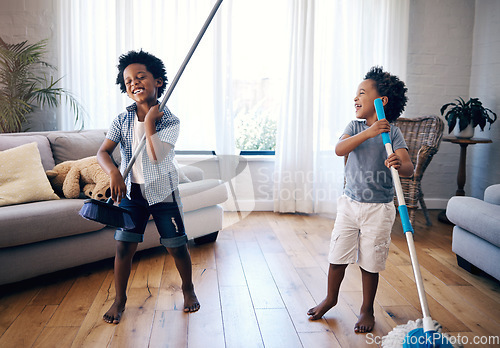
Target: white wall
point(439, 60)
point(454, 50)
point(483, 166)
point(31, 20)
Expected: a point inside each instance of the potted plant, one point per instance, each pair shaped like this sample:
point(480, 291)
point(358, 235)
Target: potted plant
point(469, 115)
point(25, 86)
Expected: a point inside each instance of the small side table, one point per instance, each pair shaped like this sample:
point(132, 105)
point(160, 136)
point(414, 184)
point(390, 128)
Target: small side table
point(463, 142)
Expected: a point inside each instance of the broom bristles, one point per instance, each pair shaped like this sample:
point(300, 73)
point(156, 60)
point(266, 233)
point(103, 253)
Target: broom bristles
point(107, 214)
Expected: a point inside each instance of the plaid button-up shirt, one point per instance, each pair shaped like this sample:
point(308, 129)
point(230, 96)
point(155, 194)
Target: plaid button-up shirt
point(160, 179)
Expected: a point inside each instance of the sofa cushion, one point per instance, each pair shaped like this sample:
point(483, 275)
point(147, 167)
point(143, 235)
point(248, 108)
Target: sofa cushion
point(70, 146)
point(9, 141)
point(33, 222)
point(476, 216)
point(203, 193)
point(22, 177)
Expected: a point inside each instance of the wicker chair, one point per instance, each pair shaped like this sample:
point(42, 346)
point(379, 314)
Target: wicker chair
point(423, 137)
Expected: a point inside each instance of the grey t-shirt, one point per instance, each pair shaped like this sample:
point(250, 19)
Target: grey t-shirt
point(368, 180)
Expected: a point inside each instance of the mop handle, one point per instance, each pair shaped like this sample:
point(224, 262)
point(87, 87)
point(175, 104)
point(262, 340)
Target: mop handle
point(170, 89)
point(405, 221)
point(403, 210)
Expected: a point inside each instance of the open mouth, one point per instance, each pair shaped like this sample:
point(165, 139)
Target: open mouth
point(137, 91)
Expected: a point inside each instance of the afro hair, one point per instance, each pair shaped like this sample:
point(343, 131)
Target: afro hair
point(393, 88)
point(153, 65)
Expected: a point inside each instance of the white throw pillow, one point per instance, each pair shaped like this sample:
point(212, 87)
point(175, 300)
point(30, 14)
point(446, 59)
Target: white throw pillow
point(22, 177)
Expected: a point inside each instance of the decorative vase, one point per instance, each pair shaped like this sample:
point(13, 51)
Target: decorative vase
point(467, 133)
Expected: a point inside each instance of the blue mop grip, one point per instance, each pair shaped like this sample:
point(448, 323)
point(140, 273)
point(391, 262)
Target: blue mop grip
point(379, 108)
point(403, 210)
point(405, 219)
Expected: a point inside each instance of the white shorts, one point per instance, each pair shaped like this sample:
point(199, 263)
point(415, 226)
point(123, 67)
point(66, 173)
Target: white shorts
point(362, 234)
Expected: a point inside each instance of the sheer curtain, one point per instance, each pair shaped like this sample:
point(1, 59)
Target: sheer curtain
point(332, 44)
point(294, 162)
point(314, 62)
point(94, 33)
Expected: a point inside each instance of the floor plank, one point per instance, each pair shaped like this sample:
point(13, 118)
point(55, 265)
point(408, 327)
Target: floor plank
point(60, 337)
point(136, 324)
point(94, 332)
point(238, 314)
point(169, 329)
point(319, 339)
point(33, 317)
point(259, 279)
point(255, 285)
point(206, 326)
point(13, 303)
point(277, 328)
point(76, 304)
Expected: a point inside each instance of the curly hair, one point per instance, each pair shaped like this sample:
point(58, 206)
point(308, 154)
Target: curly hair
point(153, 65)
point(393, 88)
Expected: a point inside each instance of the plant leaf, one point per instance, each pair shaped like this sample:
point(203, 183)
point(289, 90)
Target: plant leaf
point(24, 84)
point(443, 108)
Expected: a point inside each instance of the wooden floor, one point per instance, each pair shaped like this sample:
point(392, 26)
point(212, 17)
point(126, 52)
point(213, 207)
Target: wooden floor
point(255, 285)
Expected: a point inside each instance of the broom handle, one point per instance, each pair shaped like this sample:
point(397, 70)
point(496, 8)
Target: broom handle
point(405, 221)
point(174, 82)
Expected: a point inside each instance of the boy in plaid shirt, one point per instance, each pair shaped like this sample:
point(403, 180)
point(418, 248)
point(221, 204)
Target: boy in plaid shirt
point(151, 186)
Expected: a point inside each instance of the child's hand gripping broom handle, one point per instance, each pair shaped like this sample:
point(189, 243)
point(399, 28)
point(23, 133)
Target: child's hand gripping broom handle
point(174, 82)
point(407, 228)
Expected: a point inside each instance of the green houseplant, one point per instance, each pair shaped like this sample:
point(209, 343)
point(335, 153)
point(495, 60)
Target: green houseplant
point(467, 113)
point(24, 84)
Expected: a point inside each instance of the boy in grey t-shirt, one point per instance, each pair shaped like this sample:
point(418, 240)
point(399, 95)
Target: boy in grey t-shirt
point(366, 212)
point(368, 180)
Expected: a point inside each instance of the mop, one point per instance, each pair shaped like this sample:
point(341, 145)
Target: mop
point(422, 332)
point(106, 212)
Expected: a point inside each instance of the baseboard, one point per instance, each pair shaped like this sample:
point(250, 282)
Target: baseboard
point(251, 205)
point(436, 203)
point(268, 205)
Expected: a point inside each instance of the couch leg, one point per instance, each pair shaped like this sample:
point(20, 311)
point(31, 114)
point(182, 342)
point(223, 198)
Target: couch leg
point(469, 267)
point(209, 238)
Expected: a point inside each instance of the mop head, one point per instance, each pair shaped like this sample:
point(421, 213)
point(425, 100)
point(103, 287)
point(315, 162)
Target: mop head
point(396, 338)
point(107, 214)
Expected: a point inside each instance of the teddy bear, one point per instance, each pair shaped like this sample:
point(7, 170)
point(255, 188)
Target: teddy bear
point(85, 175)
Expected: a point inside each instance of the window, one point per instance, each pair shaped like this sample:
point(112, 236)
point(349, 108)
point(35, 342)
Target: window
point(241, 57)
point(259, 71)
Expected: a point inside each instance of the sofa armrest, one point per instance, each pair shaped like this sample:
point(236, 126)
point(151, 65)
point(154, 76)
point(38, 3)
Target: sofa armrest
point(476, 216)
point(492, 194)
point(190, 173)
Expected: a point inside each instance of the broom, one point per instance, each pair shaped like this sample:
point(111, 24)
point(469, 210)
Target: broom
point(415, 333)
point(106, 212)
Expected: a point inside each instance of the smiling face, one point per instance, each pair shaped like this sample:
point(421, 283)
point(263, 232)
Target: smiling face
point(140, 84)
point(363, 102)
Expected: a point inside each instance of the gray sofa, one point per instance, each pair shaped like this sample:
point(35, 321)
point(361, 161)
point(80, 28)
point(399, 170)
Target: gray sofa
point(476, 235)
point(46, 236)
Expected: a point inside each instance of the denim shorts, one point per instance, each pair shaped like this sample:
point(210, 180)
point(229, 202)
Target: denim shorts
point(168, 217)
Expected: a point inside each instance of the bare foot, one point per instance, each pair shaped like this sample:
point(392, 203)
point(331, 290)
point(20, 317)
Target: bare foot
point(365, 323)
point(317, 312)
point(191, 303)
point(114, 314)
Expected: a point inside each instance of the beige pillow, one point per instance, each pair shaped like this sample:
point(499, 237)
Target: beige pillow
point(22, 177)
